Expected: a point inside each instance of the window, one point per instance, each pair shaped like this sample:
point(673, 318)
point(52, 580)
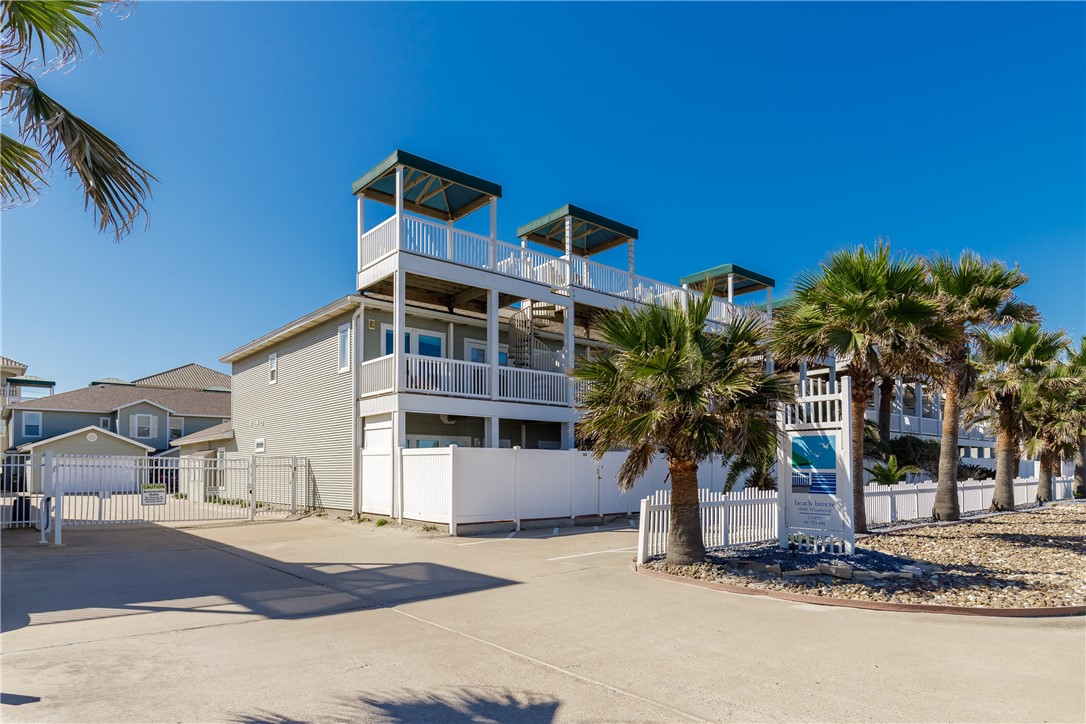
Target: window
point(416, 341)
point(258, 446)
point(425, 441)
point(103, 422)
point(143, 426)
point(344, 347)
point(475, 351)
point(273, 368)
point(177, 427)
point(31, 424)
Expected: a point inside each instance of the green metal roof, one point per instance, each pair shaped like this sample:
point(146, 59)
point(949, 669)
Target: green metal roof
point(31, 381)
point(592, 233)
point(110, 381)
point(744, 281)
point(429, 188)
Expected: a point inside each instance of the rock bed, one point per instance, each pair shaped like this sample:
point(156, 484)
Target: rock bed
point(1030, 559)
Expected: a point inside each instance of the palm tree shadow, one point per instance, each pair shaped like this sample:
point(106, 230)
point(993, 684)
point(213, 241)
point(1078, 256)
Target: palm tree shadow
point(448, 706)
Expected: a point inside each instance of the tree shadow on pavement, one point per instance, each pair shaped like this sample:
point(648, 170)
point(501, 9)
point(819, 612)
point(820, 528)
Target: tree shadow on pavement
point(135, 571)
point(450, 706)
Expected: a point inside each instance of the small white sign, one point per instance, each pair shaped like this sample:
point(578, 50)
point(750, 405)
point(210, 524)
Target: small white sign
point(153, 493)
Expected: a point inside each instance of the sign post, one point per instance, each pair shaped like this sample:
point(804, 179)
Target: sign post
point(815, 495)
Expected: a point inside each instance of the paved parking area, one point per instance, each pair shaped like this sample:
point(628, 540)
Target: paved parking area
point(318, 620)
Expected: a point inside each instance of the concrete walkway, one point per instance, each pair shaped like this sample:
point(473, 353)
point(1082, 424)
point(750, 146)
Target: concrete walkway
point(317, 620)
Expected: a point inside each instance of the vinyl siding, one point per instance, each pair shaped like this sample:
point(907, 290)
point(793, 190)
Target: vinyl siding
point(80, 445)
point(53, 424)
point(197, 424)
point(160, 440)
point(308, 412)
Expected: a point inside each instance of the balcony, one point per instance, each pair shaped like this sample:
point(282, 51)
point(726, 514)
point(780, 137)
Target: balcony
point(13, 394)
point(441, 241)
point(456, 378)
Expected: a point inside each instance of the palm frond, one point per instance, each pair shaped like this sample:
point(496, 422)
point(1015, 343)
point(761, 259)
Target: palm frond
point(22, 171)
point(114, 183)
point(48, 26)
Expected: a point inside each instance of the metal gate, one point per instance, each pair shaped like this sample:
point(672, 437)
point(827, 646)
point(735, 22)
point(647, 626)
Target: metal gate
point(85, 490)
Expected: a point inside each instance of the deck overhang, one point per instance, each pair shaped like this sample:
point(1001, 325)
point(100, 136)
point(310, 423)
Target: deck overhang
point(430, 188)
point(743, 280)
point(592, 233)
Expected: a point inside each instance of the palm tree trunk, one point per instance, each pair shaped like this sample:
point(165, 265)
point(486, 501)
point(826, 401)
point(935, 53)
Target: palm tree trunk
point(887, 388)
point(684, 541)
point(1006, 454)
point(946, 493)
point(1044, 477)
point(860, 393)
point(1079, 490)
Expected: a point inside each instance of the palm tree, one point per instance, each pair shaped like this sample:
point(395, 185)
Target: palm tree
point(858, 307)
point(1077, 362)
point(890, 473)
point(668, 384)
point(1052, 422)
point(974, 295)
point(50, 134)
point(1009, 363)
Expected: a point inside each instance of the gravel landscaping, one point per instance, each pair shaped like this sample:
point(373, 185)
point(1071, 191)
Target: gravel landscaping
point(1026, 559)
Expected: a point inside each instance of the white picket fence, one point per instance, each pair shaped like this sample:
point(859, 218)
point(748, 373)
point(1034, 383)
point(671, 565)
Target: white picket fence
point(746, 516)
point(750, 516)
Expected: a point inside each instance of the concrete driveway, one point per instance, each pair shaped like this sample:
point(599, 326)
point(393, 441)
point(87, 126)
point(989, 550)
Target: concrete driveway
point(316, 620)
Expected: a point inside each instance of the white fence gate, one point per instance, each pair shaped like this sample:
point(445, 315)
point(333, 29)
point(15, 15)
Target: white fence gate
point(43, 490)
point(750, 516)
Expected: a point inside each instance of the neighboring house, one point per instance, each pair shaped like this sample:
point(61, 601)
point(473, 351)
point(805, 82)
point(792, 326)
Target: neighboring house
point(192, 376)
point(453, 338)
point(17, 386)
point(216, 439)
point(149, 416)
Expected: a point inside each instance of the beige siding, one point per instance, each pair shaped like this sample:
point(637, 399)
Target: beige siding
point(308, 412)
point(80, 445)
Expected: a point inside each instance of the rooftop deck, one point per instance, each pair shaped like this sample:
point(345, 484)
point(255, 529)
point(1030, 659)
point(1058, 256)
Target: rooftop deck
point(442, 241)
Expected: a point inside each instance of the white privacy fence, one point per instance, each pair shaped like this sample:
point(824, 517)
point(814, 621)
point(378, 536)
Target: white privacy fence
point(457, 485)
point(750, 516)
point(81, 490)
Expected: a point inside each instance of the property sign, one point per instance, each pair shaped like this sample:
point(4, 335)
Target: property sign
point(152, 493)
point(815, 483)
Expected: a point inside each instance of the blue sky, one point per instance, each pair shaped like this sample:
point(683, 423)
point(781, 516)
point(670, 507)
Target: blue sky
point(764, 135)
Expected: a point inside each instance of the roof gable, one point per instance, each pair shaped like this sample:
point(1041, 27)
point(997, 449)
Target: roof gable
point(88, 428)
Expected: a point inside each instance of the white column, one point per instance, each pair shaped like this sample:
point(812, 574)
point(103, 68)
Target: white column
point(568, 435)
point(769, 300)
point(493, 232)
point(449, 241)
point(731, 287)
point(399, 324)
point(361, 226)
point(568, 352)
point(400, 226)
point(492, 340)
point(491, 439)
point(919, 404)
point(833, 375)
point(569, 250)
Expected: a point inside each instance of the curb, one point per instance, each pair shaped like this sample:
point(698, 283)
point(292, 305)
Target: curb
point(869, 605)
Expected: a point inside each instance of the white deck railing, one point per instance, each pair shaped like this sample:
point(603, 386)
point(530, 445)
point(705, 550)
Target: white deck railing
point(378, 376)
point(519, 384)
point(446, 376)
point(441, 241)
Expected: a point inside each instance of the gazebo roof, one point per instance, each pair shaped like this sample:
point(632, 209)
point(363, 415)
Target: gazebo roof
point(31, 381)
point(429, 188)
point(743, 281)
point(592, 233)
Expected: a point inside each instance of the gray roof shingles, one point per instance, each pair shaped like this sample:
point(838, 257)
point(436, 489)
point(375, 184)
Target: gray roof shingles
point(105, 398)
point(192, 375)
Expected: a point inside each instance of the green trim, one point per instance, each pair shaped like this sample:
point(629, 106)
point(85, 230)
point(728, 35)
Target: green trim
point(31, 381)
point(464, 194)
point(745, 279)
point(597, 233)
